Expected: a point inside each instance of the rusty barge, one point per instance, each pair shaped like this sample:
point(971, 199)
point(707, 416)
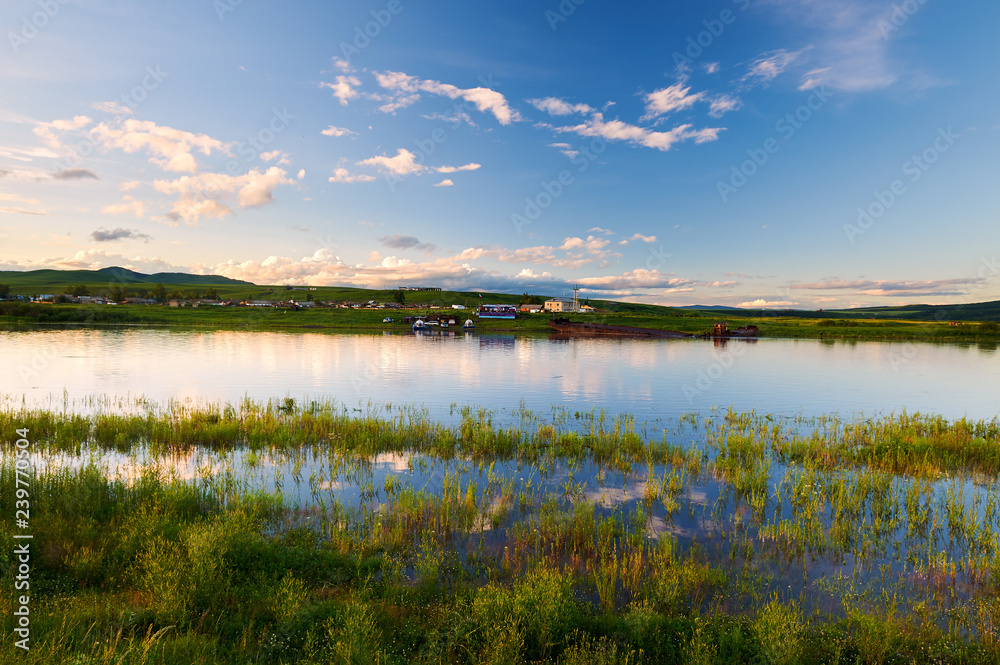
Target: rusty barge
point(588, 329)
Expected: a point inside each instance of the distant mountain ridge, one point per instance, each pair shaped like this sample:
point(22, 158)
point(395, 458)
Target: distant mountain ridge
point(113, 274)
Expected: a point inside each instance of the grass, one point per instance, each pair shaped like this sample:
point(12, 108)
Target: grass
point(305, 533)
point(257, 319)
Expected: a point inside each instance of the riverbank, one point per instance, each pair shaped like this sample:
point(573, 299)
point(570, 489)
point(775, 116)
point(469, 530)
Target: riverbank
point(305, 533)
point(320, 319)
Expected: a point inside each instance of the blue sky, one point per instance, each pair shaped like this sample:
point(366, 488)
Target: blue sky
point(772, 153)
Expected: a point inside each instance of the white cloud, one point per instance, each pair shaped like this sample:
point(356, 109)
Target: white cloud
point(407, 89)
point(453, 169)
point(447, 182)
point(556, 106)
point(128, 205)
point(171, 148)
point(639, 278)
point(343, 88)
point(23, 206)
point(337, 131)
point(723, 104)
point(766, 304)
point(639, 236)
point(404, 163)
point(565, 149)
point(598, 229)
point(114, 108)
point(675, 98)
point(49, 131)
point(770, 65)
point(616, 130)
point(850, 45)
point(214, 195)
point(343, 175)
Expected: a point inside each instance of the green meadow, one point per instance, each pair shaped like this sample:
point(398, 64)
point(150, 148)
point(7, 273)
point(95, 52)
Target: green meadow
point(692, 321)
point(314, 533)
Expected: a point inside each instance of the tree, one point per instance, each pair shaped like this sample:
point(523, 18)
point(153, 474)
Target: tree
point(160, 293)
point(399, 296)
point(118, 293)
point(529, 300)
point(4, 290)
point(78, 290)
point(211, 294)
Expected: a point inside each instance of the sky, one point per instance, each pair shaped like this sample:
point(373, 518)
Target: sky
point(758, 153)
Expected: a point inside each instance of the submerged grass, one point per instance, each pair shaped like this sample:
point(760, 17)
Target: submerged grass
point(288, 533)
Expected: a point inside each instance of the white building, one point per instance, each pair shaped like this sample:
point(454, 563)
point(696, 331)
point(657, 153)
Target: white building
point(562, 305)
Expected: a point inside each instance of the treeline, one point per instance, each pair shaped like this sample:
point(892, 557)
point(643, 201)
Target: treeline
point(118, 292)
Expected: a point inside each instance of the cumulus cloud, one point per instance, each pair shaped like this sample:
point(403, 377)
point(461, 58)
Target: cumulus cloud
point(337, 131)
point(762, 303)
point(344, 88)
point(403, 163)
point(276, 154)
point(675, 98)
point(343, 175)
point(556, 106)
point(104, 235)
point(640, 278)
point(171, 149)
point(214, 195)
point(49, 132)
point(447, 182)
point(406, 90)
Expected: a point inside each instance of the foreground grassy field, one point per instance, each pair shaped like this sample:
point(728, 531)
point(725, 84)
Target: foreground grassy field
point(288, 533)
point(352, 319)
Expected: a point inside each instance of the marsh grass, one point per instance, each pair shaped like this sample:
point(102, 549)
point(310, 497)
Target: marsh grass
point(311, 533)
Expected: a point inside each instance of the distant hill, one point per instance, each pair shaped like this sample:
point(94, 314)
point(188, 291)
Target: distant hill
point(713, 308)
point(33, 280)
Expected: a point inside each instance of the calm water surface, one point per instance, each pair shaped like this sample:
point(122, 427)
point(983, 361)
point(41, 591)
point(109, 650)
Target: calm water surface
point(650, 379)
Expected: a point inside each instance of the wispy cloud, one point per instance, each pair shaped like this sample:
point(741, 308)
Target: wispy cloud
point(406, 90)
point(104, 235)
point(406, 242)
point(337, 131)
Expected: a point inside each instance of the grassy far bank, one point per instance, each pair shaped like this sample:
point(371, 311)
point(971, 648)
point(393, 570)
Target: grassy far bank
point(570, 539)
point(207, 316)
